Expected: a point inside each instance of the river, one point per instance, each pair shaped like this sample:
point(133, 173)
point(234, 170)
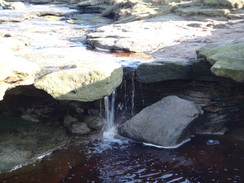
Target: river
point(108, 159)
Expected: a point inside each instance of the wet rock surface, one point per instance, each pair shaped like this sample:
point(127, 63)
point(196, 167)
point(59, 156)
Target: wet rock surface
point(24, 142)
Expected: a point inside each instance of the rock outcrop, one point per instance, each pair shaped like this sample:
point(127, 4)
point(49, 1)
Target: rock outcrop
point(163, 70)
point(141, 36)
point(15, 71)
point(227, 58)
point(167, 123)
point(88, 81)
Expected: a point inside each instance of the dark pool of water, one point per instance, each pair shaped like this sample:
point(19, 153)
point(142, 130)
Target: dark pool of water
point(203, 159)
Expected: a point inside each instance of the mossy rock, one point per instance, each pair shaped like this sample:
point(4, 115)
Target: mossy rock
point(89, 81)
point(227, 58)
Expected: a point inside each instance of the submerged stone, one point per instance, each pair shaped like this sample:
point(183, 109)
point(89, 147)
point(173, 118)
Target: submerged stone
point(167, 123)
point(25, 142)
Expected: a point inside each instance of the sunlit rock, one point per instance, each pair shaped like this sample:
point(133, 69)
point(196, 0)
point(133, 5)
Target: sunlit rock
point(15, 71)
point(89, 81)
point(142, 36)
point(226, 57)
point(167, 123)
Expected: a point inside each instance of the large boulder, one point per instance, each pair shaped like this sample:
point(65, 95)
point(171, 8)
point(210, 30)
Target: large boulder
point(88, 81)
point(163, 70)
point(167, 123)
point(15, 71)
point(226, 57)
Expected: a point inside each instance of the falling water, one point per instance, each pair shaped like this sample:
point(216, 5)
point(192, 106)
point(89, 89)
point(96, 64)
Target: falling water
point(110, 130)
point(133, 92)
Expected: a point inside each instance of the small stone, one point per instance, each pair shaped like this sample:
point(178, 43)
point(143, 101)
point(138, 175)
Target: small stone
point(68, 120)
point(94, 122)
point(79, 128)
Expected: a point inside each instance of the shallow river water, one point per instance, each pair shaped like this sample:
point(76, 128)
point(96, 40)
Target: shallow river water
point(203, 159)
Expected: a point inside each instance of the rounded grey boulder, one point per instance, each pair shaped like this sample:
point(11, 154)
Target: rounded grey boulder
point(167, 123)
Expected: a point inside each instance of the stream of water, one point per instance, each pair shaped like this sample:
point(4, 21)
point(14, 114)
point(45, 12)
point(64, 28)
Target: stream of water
point(113, 159)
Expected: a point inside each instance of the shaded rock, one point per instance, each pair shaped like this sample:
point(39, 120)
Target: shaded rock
point(30, 117)
point(94, 122)
point(88, 82)
point(92, 6)
point(69, 120)
point(226, 57)
point(166, 123)
point(163, 70)
point(79, 128)
point(40, 1)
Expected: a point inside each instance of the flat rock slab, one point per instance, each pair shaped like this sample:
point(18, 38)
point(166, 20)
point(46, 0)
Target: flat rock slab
point(143, 36)
point(15, 71)
point(227, 58)
point(166, 123)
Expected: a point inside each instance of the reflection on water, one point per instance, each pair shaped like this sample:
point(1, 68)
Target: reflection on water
point(200, 160)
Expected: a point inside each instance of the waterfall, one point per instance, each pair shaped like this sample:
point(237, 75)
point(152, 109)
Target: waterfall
point(133, 92)
point(110, 130)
